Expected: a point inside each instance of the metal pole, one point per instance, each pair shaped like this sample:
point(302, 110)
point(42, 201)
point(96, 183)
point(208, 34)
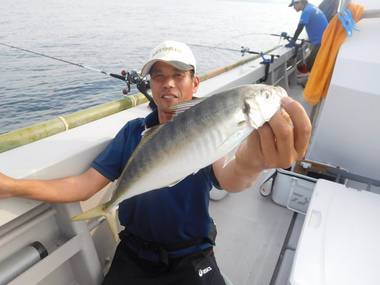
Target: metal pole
point(20, 261)
point(343, 5)
point(374, 13)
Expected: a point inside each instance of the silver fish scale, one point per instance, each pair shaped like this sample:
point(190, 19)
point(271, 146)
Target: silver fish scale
point(220, 122)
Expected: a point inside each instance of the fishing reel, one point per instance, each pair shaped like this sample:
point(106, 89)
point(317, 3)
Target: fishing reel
point(244, 50)
point(133, 78)
point(271, 58)
point(142, 84)
point(298, 43)
point(285, 35)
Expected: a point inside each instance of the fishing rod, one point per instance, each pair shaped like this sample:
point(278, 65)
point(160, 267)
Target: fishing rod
point(130, 77)
point(243, 50)
point(214, 47)
point(245, 34)
point(288, 37)
point(282, 35)
point(266, 61)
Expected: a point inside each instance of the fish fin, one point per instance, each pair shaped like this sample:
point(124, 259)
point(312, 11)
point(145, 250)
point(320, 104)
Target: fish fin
point(113, 224)
point(175, 182)
point(230, 156)
point(183, 106)
point(256, 120)
point(231, 143)
point(101, 211)
point(179, 180)
point(147, 133)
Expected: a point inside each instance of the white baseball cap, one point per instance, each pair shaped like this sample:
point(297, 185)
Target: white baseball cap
point(175, 53)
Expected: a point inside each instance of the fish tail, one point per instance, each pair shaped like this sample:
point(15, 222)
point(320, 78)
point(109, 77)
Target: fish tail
point(101, 211)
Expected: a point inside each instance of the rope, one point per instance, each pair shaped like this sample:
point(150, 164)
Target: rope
point(133, 100)
point(64, 122)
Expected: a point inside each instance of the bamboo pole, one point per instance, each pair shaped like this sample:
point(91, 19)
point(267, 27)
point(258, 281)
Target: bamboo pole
point(48, 128)
point(221, 70)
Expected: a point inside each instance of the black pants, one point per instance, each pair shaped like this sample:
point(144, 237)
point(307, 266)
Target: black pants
point(196, 269)
point(313, 54)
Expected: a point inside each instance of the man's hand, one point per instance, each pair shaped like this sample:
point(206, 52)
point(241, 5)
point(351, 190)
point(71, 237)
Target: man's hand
point(277, 144)
point(291, 44)
point(5, 191)
point(62, 190)
point(281, 141)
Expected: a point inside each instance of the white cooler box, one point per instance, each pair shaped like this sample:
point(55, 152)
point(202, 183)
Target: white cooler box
point(340, 238)
point(293, 189)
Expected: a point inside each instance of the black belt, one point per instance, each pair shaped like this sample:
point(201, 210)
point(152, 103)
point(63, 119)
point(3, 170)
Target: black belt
point(152, 251)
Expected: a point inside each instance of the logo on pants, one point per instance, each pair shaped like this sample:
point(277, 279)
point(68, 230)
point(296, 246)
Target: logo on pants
point(202, 272)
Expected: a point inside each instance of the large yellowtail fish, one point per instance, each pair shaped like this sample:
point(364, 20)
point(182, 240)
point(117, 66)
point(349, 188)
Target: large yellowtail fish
point(201, 132)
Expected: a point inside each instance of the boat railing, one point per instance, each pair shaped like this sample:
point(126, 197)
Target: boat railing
point(368, 13)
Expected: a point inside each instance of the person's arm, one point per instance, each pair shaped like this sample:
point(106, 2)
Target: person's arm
point(69, 189)
point(296, 35)
point(278, 143)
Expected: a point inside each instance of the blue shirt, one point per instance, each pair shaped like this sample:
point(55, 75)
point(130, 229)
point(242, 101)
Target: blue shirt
point(169, 215)
point(315, 22)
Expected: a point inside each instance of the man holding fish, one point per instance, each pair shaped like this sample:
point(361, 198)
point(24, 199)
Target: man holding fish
point(180, 151)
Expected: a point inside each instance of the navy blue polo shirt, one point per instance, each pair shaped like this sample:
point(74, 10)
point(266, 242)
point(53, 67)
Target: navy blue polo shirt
point(315, 22)
point(170, 215)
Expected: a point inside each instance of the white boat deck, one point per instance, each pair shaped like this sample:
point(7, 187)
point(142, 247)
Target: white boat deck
point(251, 233)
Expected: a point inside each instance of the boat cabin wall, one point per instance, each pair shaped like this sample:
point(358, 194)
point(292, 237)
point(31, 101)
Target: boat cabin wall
point(347, 128)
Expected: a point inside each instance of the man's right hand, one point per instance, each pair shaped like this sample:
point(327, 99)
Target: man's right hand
point(5, 189)
point(291, 44)
point(63, 190)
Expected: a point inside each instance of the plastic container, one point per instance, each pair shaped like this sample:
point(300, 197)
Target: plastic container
point(293, 190)
point(339, 242)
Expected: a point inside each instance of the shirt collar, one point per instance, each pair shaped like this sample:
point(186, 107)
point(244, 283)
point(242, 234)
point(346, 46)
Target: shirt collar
point(151, 120)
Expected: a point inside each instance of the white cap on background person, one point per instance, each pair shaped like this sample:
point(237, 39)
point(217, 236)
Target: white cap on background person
point(293, 2)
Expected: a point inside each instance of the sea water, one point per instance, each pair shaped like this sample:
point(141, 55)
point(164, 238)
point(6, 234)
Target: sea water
point(111, 36)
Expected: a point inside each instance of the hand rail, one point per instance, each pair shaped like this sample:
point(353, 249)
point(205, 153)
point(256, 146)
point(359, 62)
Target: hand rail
point(343, 5)
point(373, 13)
